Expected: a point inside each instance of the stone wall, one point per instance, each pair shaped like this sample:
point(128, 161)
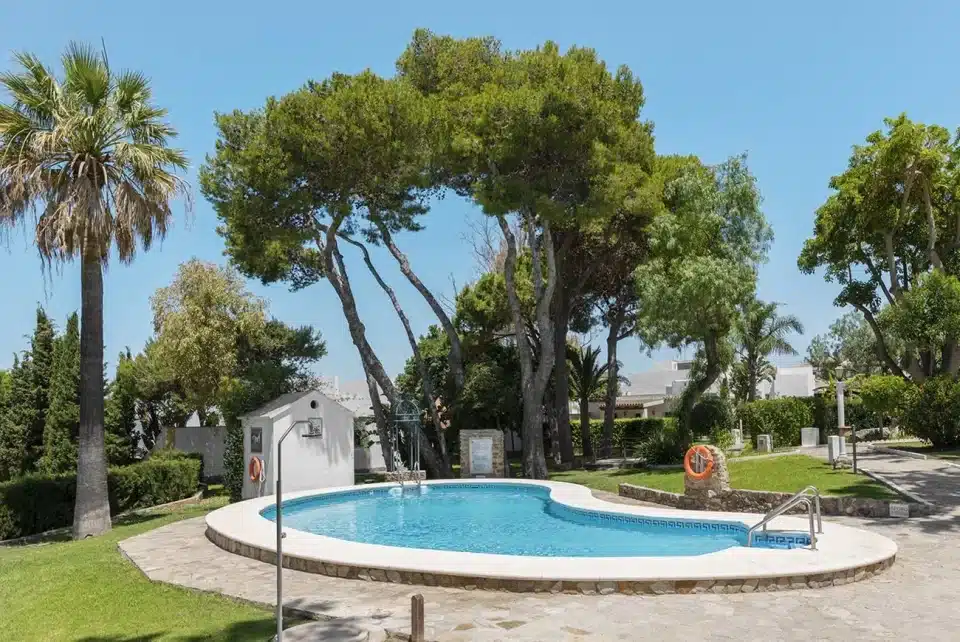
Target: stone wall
point(571, 587)
point(498, 462)
point(756, 501)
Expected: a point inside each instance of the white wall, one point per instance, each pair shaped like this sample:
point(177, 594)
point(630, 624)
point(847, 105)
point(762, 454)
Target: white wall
point(250, 487)
point(369, 459)
point(307, 462)
point(209, 441)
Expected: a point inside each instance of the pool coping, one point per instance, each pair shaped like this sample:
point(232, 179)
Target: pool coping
point(844, 554)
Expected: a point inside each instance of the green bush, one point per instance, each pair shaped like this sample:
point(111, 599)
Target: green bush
point(37, 503)
point(627, 433)
point(172, 454)
point(662, 447)
point(932, 411)
point(782, 418)
point(713, 416)
point(883, 395)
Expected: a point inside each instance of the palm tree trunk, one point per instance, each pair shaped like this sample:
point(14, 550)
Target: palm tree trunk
point(91, 515)
point(585, 427)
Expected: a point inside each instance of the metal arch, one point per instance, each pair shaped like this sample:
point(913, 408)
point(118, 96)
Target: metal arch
point(407, 413)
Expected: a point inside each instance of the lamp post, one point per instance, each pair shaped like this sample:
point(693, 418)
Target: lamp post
point(841, 415)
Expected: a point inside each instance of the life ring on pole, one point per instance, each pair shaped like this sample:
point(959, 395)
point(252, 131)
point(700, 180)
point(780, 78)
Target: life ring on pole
point(698, 462)
point(256, 469)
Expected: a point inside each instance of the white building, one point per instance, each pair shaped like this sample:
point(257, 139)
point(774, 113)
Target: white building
point(308, 461)
point(652, 393)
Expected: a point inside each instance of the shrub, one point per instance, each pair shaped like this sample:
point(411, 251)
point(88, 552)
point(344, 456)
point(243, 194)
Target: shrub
point(713, 416)
point(233, 464)
point(172, 454)
point(883, 395)
point(782, 418)
point(627, 433)
point(932, 411)
point(662, 447)
point(37, 503)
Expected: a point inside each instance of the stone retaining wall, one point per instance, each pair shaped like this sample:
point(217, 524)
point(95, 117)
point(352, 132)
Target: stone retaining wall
point(582, 587)
point(757, 501)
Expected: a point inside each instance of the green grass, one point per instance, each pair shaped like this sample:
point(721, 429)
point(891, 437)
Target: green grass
point(788, 474)
point(87, 592)
point(927, 449)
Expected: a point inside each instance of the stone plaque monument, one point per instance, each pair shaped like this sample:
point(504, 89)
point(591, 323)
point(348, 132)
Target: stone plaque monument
point(481, 453)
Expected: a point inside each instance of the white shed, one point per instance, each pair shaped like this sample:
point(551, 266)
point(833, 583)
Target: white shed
point(308, 462)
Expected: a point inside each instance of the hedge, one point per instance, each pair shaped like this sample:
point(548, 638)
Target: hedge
point(37, 503)
point(626, 432)
point(782, 418)
point(932, 411)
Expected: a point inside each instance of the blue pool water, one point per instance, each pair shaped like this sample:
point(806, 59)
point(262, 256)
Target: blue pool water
point(504, 519)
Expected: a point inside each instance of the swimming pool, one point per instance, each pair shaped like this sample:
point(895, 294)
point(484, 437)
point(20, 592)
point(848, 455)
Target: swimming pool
point(506, 519)
point(538, 536)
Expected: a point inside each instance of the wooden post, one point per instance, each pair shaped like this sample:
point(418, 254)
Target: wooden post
point(416, 618)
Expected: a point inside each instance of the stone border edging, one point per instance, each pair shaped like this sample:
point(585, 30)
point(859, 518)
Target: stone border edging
point(897, 451)
point(659, 587)
point(930, 506)
point(759, 501)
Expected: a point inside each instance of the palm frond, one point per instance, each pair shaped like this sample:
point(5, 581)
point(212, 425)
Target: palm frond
point(91, 155)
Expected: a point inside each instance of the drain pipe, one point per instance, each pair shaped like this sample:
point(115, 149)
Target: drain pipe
point(280, 532)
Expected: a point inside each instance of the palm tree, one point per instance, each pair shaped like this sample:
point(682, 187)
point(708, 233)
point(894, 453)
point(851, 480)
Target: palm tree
point(761, 332)
point(84, 162)
point(587, 381)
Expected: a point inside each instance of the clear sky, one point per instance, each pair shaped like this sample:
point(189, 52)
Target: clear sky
point(793, 84)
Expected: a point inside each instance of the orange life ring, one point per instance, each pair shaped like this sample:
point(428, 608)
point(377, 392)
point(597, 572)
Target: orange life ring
point(255, 468)
point(705, 455)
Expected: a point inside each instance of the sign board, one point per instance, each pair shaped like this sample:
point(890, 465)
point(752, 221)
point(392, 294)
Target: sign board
point(481, 456)
point(898, 509)
point(256, 440)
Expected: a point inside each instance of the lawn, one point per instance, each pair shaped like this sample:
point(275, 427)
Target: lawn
point(86, 591)
point(789, 474)
point(925, 448)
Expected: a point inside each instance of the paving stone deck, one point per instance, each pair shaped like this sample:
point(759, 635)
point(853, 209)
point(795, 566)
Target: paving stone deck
point(914, 600)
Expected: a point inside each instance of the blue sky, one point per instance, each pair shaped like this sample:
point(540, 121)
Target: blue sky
point(792, 84)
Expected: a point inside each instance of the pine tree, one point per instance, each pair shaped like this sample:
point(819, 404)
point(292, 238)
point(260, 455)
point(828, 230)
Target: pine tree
point(14, 423)
point(41, 357)
point(63, 414)
point(122, 437)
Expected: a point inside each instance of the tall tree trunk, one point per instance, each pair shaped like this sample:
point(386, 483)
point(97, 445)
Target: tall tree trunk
point(418, 359)
point(380, 417)
point(751, 376)
point(585, 436)
point(613, 380)
point(533, 380)
point(689, 399)
point(455, 357)
point(336, 274)
point(91, 515)
point(561, 378)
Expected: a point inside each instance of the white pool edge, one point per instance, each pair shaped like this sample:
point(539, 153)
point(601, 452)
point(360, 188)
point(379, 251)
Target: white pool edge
point(843, 553)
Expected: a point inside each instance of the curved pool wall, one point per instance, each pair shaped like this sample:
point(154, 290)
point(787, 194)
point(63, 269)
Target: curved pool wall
point(499, 519)
point(844, 554)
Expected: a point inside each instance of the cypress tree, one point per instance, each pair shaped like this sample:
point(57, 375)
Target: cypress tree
point(63, 414)
point(122, 437)
point(41, 358)
point(15, 421)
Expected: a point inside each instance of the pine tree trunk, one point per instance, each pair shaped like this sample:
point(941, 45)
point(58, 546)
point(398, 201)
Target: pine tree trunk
point(612, 381)
point(585, 426)
point(92, 509)
point(560, 375)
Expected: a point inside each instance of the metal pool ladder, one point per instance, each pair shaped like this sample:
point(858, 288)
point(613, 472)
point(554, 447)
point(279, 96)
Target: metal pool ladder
point(802, 497)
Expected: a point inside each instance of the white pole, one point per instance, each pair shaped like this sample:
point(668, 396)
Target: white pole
point(841, 419)
point(280, 534)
